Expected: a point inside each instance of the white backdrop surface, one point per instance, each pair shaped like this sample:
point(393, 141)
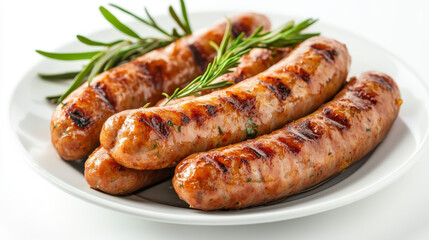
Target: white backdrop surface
point(33, 208)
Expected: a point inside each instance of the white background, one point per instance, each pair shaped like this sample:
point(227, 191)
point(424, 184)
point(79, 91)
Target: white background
point(32, 208)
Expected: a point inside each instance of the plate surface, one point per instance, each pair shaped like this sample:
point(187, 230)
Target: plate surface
point(30, 117)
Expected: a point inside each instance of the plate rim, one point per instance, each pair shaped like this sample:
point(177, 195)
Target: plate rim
point(219, 220)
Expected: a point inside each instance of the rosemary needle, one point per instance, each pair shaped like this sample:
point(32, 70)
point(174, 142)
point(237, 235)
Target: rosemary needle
point(230, 51)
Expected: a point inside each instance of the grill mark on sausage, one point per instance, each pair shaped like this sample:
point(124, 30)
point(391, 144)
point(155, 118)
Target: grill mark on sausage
point(326, 52)
point(298, 72)
point(306, 130)
point(78, 116)
point(245, 104)
point(156, 123)
point(152, 72)
point(382, 80)
point(239, 27)
point(292, 144)
point(245, 162)
point(335, 119)
point(238, 78)
point(104, 94)
point(197, 116)
point(280, 90)
point(200, 57)
point(254, 151)
point(361, 100)
point(214, 159)
point(267, 151)
point(210, 109)
point(260, 151)
point(185, 119)
point(370, 98)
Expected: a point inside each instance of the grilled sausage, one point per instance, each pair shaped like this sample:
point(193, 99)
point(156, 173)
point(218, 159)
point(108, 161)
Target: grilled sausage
point(161, 137)
point(301, 154)
point(75, 127)
point(256, 61)
point(103, 173)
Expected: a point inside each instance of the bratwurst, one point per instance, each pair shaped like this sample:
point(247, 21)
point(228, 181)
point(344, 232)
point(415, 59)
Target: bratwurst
point(102, 172)
point(160, 137)
point(76, 125)
point(252, 63)
point(106, 175)
point(300, 155)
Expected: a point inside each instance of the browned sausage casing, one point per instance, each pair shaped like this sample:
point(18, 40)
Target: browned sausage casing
point(300, 155)
point(256, 61)
point(102, 172)
point(160, 137)
point(75, 127)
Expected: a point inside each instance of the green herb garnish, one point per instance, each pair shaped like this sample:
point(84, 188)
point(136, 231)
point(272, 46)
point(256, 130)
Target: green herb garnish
point(230, 51)
point(146, 105)
point(170, 123)
point(220, 130)
point(116, 52)
point(251, 129)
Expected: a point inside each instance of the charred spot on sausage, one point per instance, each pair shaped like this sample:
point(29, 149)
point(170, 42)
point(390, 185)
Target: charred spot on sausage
point(197, 116)
point(253, 151)
point(239, 27)
point(280, 90)
point(215, 159)
point(152, 72)
point(245, 104)
point(260, 151)
point(361, 99)
point(156, 123)
point(382, 80)
point(298, 72)
point(78, 116)
point(185, 119)
point(306, 130)
point(267, 151)
point(238, 78)
point(326, 52)
point(244, 161)
point(102, 91)
point(210, 109)
point(293, 145)
point(335, 119)
point(199, 55)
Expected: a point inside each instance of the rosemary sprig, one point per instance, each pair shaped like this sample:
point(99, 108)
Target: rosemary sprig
point(116, 52)
point(230, 51)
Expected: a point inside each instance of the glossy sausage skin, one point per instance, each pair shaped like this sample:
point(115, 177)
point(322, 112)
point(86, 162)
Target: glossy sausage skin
point(160, 137)
point(102, 172)
point(75, 127)
point(256, 61)
point(300, 155)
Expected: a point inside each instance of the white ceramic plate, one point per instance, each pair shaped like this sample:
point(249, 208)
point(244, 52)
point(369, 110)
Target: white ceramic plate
point(30, 116)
